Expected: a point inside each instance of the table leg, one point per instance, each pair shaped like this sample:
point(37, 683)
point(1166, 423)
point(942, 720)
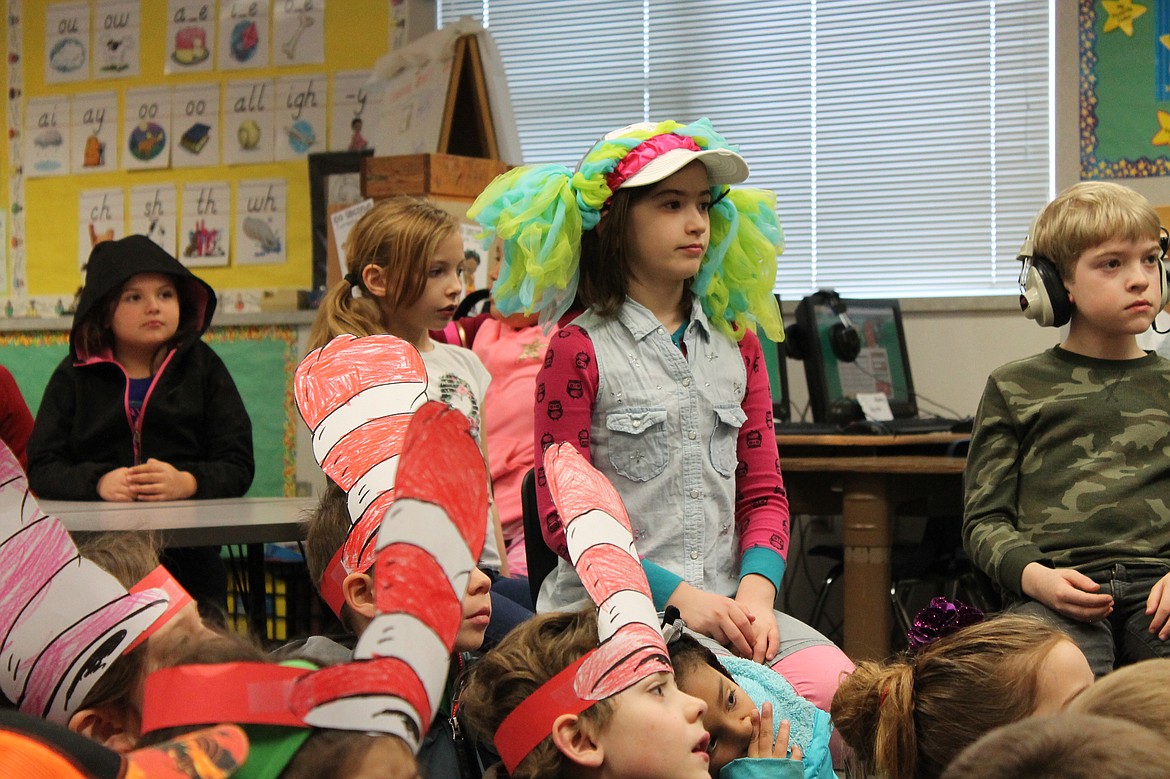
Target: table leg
point(257, 595)
point(866, 533)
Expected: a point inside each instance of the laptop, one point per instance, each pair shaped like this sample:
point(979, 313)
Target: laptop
point(883, 365)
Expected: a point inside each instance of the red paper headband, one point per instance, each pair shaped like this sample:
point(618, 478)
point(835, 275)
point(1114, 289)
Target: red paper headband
point(242, 693)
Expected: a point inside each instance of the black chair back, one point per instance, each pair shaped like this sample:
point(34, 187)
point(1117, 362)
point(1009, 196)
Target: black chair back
point(541, 560)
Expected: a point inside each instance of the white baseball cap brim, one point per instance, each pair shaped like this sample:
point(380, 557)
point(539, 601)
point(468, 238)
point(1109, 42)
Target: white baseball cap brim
point(723, 167)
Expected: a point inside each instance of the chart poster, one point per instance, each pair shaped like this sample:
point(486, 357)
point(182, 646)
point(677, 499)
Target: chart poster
point(93, 136)
point(195, 120)
point(244, 34)
point(354, 116)
point(190, 36)
point(248, 113)
point(1124, 89)
point(46, 137)
point(154, 213)
point(101, 216)
point(116, 39)
point(299, 32)
point(146, 129)
point(205, 220)
point(261, 217)
point(300, 116)
point(67, 33)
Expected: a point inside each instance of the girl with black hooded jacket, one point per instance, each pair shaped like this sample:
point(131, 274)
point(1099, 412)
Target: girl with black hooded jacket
point(141, 408)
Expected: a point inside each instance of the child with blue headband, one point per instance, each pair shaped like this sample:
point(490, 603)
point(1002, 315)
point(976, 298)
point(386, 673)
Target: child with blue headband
point(660, 382)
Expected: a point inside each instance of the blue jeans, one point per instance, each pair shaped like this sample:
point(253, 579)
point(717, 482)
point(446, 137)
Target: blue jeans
point(511, 605)
point(1124, 636)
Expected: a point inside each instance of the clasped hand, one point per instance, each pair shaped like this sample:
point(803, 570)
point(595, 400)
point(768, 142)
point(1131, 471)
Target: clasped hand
point(154, 480)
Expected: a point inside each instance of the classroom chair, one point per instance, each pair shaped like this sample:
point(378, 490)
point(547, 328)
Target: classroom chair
point(541, 560)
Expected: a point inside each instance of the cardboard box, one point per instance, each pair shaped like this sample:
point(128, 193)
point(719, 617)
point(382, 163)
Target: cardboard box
point(433, 175)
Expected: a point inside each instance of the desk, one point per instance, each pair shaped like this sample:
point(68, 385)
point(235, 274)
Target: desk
point(864, 481)
point(248, 521)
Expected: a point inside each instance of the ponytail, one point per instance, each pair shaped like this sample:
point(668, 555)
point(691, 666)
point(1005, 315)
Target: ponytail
point(341, 312)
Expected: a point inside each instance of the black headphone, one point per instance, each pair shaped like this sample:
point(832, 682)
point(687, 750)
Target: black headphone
point(843, 336)
point(1043, 296)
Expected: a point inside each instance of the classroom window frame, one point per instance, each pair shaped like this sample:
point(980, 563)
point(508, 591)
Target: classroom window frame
point(909, 144)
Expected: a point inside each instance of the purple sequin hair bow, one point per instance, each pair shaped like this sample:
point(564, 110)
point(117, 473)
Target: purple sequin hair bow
point(941, 618)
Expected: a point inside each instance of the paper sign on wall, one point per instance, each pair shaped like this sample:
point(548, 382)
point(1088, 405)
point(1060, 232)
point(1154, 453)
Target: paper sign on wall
point(248, 122)
point(67, 55)
point(46, 136)
point(261, 209)
point(195, 120)
point(300, 111)
point(299, 32)
point(244, 34)
point(101, 216)
point(205, 220)
point(354, 118)
point(343, 221)
point(190, 36)
point(154, 213)
point(146, 129)
point(94, 135)
point(116, 37)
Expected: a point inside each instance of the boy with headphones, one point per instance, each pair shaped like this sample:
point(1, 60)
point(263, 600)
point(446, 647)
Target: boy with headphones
point(1067, 504)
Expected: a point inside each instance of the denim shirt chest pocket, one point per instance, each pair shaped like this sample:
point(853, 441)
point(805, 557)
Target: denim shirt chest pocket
point(729, 418)
point(639, 448)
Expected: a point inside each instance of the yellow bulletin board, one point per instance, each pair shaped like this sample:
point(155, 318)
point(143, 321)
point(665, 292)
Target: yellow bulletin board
point(356, 33)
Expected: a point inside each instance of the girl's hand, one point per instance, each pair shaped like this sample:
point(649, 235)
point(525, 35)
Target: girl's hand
point(158, 480)
point(115, 486)
point(756, 595)
point(1158, 607)
point(716, 616)
point(762, 744)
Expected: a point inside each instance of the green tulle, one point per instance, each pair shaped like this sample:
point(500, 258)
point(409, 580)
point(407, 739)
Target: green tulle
point(540, 211)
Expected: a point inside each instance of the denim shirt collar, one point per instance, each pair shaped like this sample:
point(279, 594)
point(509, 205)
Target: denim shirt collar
point(640, 322)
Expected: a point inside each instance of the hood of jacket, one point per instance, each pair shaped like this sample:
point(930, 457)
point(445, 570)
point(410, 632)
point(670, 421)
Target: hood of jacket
point(112, 263)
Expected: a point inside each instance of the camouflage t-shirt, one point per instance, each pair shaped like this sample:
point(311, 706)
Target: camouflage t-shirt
point(1069, 465)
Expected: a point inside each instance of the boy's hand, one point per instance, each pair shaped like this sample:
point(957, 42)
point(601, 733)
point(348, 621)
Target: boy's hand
point(757, 595)
point(1158, 605)
point(716, 616)
point(158, 480)
point(1066, 591)
point(762, 744)
point(115, 486)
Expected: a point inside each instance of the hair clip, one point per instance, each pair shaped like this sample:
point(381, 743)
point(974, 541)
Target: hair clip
point(940, 618)
point(672, 625)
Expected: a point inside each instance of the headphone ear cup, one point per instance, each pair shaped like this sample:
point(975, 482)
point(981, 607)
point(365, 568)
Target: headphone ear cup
point(1044, 297)
point(846, 342)
point(1165, 280)
point(792, 343)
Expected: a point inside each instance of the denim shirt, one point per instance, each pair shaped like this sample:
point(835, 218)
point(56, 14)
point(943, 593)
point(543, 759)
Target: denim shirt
point(664, 432)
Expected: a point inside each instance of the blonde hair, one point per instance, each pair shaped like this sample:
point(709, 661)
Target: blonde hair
point(907, 718)
point(1136, 692)
point(1088, 214)
point(399, 235)
point(534, 652)
point(329, 527)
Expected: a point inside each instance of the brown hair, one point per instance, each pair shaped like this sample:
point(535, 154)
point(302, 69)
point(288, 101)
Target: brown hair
point(1136, 692)
point(328, 528)
point(1088, 214)
point(534, 652)
point(128, 557)
point(399, 235)
point(340, 753)
point(1064, 746)
point(908, 717)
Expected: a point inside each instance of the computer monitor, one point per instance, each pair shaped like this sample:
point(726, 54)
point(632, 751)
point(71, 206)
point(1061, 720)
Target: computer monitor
point(883, 364)
point(774, 357)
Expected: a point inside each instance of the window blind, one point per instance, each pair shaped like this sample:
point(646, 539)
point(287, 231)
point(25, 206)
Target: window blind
point(908, 143)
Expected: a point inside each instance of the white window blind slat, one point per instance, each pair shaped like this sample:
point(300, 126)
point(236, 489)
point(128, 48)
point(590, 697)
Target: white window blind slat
point(899, 138)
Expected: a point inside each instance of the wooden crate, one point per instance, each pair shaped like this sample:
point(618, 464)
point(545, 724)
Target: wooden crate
point(434, 175)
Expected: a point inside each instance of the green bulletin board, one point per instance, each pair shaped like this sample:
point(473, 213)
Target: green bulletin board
point(260, 359)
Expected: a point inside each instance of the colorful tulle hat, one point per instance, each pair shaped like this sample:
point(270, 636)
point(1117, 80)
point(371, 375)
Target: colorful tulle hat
point(539, 212)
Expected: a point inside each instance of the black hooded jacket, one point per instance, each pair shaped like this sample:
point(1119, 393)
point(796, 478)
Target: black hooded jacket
point(192, 418)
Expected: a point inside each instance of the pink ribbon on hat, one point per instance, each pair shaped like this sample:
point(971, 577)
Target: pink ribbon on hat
point(643, 153)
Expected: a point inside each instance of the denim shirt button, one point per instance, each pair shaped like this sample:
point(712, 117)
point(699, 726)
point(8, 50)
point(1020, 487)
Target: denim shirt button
point(692, 435)
point(694, 493)
point(686, 382)
point(694, 555)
